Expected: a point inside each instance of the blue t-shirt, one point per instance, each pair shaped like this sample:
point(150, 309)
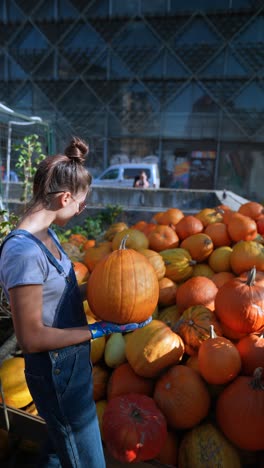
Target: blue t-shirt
point(23, 262)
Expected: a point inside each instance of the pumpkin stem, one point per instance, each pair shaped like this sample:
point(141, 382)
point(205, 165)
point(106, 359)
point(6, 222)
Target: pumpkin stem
point(251, 277)
point(212, 332)
point(256, 382)
point(136, 414)
point(123, 242)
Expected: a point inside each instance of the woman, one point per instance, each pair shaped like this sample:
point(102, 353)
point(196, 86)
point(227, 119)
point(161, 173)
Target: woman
point(142, 181)
point(48, 316)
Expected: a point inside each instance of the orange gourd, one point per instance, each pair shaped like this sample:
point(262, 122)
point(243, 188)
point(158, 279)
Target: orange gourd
point(93, 255)
point(152, 349)
point(200, 246)
point(134, 239)
point(246, 255)
point(209, 216)
point(252, 209)
point(81, 272)
point(179, 264)
point(156, 260)
point(218, 233)
point(194, 327)
point(241, 227)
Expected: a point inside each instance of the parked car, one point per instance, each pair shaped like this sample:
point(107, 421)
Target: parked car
point(123, 175)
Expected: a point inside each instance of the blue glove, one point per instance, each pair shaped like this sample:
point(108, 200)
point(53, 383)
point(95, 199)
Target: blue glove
point(98, 329)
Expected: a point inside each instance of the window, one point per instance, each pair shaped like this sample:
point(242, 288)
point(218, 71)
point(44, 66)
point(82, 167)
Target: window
point(110, 175)
point(132, 173)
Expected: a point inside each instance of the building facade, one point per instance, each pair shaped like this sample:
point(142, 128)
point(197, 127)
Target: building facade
point(180, 82)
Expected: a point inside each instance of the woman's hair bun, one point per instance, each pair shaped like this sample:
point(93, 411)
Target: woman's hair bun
point(77, 150)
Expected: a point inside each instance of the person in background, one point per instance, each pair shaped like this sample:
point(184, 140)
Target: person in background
point(142, 182)
point(48, 316)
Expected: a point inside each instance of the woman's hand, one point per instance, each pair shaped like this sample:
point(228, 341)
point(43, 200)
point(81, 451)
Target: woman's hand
point(98, 329)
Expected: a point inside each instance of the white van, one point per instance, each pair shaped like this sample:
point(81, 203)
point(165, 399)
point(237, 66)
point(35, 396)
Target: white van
point(123, 175)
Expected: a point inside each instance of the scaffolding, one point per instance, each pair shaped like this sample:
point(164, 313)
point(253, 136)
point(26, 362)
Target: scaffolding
point(14, 127)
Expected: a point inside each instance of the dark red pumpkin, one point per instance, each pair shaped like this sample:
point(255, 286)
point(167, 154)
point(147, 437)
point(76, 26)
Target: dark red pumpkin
point(134, 429)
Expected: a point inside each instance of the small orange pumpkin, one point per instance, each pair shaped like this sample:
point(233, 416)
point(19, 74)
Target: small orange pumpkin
point(218, 359)
point(198, 290)
point(188, 226)
point(124, 380)
point(251, 350)
point(167, 292)
point(163, 237)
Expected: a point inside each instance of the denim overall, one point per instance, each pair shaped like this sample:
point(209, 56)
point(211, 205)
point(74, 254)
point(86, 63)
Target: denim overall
point(61, 384)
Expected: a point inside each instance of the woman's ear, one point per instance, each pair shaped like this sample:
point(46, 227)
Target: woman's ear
point(64, 199)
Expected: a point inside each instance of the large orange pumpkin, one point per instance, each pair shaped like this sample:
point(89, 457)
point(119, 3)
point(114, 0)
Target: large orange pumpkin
point(198, 290)
point(152, 349)
point(182, 396)
point(123, 287)
point(134, 429)
point(239, 303)
point(240, 411)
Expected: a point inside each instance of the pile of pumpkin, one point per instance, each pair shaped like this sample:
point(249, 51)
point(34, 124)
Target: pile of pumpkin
point(188, 388)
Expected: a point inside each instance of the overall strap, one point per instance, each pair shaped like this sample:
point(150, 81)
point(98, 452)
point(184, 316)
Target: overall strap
point(46, 251)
